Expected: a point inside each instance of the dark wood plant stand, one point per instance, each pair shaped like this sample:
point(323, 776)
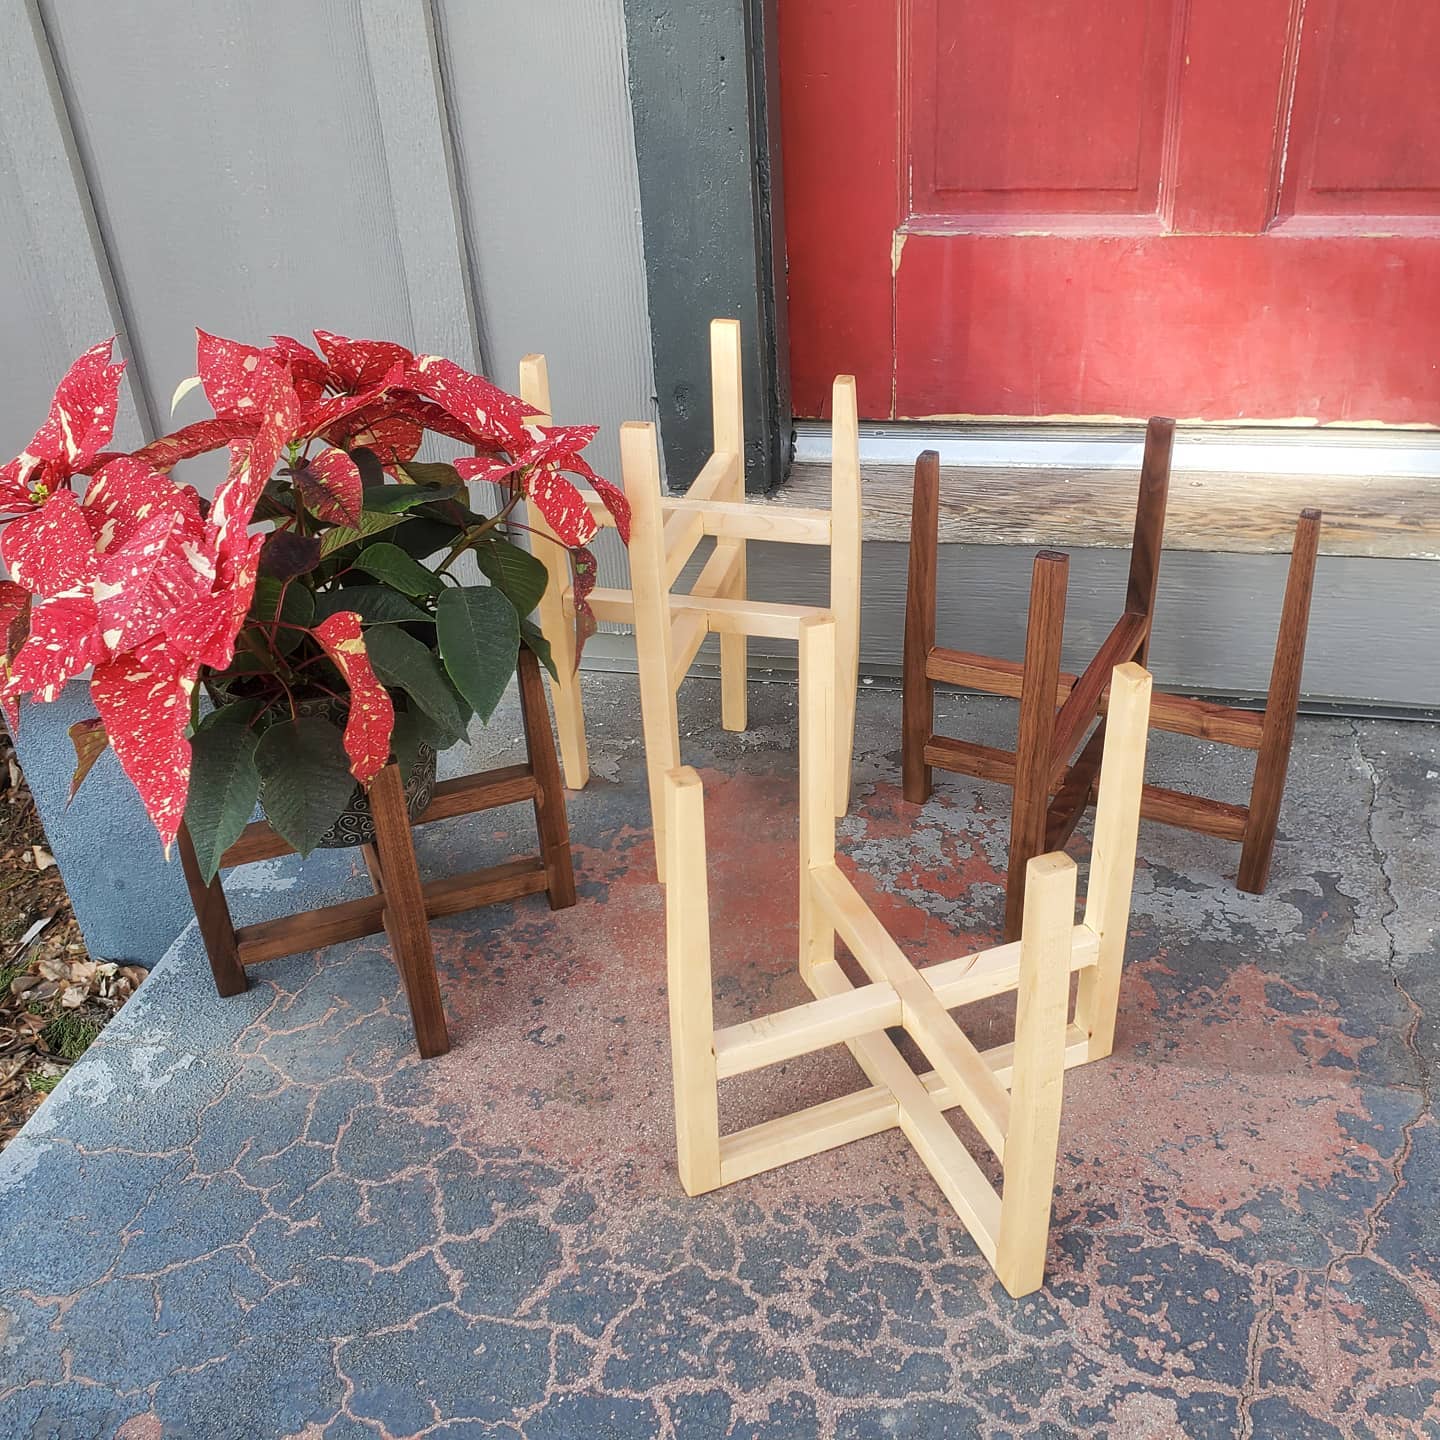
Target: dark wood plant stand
point(1053, 785)
point(403, 905)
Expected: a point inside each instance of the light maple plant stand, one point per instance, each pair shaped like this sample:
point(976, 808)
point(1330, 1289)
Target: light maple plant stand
point(1053, 786)
point(1011, 1093)
point(666, 532)
point(403, 905)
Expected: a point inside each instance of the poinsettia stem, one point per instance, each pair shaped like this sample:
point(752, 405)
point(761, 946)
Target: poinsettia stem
point(476, 533)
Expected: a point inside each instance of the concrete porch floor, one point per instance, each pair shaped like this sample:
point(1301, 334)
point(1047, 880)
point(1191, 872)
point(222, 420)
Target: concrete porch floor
point(264, 1217)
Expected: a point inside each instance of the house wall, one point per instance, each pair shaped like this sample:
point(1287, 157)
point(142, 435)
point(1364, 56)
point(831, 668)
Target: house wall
point(458, 177)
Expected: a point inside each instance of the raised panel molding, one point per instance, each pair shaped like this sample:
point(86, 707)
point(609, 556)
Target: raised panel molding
point(1047, 108)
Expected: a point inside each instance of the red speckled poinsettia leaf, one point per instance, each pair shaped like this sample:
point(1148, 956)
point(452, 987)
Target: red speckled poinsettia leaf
point(562, 506)
point(331, 487)
point(615, 502)
point(431, 417)
point(240, 380)
point(358, 364)
point(328, 413)
point(372, 714)
point(486, 467)
point(309, 374)
point(127, 493)
point(64, 640)
point(485, 410)
point(51, 551)
point(82, 414)
point(584, 570)
point(391, 437)
point(15, 603)
point(206, 630)
point(144, 700)
point(198, 439)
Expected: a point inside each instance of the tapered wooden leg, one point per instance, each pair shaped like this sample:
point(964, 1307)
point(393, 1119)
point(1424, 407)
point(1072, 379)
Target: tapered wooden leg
point(640, 468)
point(1112, 856)
point(687, 949)
point(918, 697)
point(406, 922)
point(1281, 704)
point(555, 623)
point(1041, 1002)
point(212, 915)
point(817, 772)
point(1044, 632)
point(1149, 534)
point(727, 400)
point(845, 542)
point(550, 818)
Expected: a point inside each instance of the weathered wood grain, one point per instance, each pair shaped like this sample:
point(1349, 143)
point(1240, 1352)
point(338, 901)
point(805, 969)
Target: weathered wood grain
point(1394, 517)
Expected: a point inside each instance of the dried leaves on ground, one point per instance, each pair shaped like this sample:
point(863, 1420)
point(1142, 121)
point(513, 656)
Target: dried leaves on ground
point(54, 997)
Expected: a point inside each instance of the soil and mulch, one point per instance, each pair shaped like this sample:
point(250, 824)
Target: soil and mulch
point(55, 997)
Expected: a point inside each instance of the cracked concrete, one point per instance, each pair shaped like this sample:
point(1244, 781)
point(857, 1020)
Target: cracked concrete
point(263, 1217)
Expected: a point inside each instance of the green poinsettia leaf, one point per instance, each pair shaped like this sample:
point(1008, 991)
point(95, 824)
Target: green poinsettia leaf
point(405, 663)
point(285, 554)
point(413, 728)
point(420, 537)
point(305, 779)
point(539, 646)
point(237, 712)
point(371, 523)
point(389, 499)
point(289, 609)
point(398, 569)
point(432, 472)
point(479, 637)
point(375, 605)
point(367, 462)
point(515, 571)
point(224, 786)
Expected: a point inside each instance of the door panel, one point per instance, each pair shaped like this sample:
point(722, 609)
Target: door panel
point(992, 97)
point(1366, 128)
point(1227, 211)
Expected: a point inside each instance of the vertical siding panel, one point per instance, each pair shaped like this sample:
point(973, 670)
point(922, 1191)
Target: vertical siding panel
point(58, 298)
point(546, 158)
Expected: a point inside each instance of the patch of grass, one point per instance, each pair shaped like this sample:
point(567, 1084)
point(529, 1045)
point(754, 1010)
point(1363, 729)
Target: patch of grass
point(42, 1084)
point(69, 1036)
point(9, 973)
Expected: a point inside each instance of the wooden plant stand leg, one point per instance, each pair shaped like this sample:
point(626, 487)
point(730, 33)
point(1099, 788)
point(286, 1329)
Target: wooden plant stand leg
point(728, 418)
point(1112, 869)
point(692, 1023)
point(555, 623)
point(406, 922)
point(918, 690)
point(1042, 1001)
point(846, 520)
point(640, 468)
point(1029, 814)
point(1149, 535)
point(1281, 704)
point(212, 915)
point(550, 819)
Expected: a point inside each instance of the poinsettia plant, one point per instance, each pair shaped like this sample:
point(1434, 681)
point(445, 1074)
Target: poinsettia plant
point(314, 600)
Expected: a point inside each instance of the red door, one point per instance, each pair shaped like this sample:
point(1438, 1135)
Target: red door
point(1224, 210)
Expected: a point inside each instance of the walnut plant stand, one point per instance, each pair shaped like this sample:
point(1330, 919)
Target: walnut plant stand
point(1053, 785)
point(403, 905)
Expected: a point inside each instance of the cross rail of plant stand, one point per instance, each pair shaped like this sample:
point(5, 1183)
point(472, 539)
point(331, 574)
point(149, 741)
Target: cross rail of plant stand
point(1053, 786)
point(403, 905)
point(1010, 1093)
point(717, 603)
